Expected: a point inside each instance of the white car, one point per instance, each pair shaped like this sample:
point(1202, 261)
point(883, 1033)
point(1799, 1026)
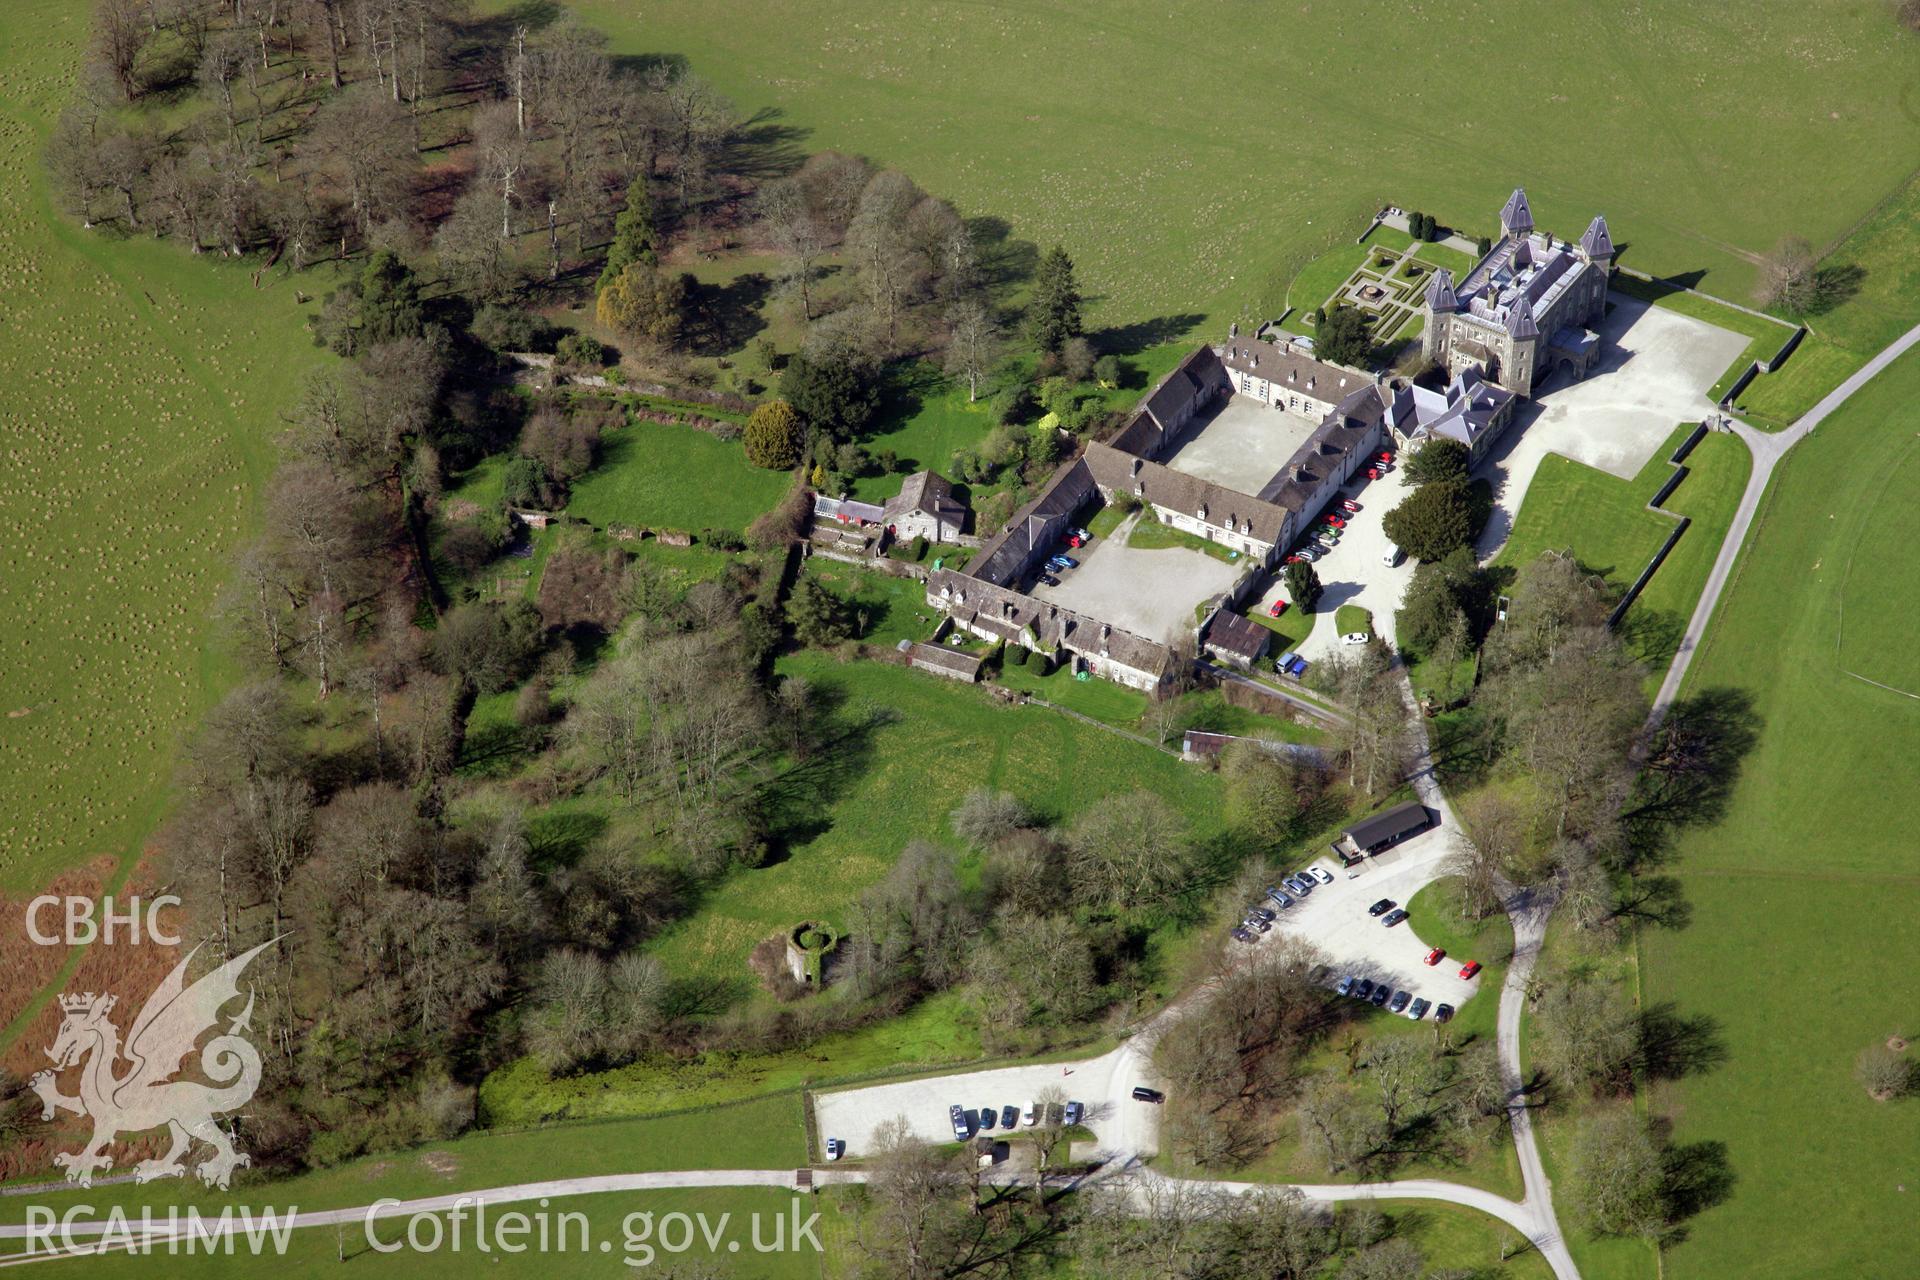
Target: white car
point(1355, 637)
point(1321, 874)
point(1033, 1114)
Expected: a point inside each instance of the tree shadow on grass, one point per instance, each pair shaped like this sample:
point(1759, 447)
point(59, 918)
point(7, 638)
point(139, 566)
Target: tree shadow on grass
point(723, 318)
point(556, 839)
point(761, 148)
point(835, 749)
point(1696, 1177)
point(1692, 763)
point(1128, 339)
point(1673, 1046)
point(1004, 262)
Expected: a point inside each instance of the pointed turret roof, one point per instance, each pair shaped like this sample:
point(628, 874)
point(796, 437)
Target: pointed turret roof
point(1597, 243)
point(1517, 216)
point(1440, 296)
point(1520, 322)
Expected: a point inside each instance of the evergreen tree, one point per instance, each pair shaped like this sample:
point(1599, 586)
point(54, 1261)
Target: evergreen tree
point(1053, 316)
point(773, 436)
point(389, 299)
point(1302, 583)
point(643, 301)
point(632, 234)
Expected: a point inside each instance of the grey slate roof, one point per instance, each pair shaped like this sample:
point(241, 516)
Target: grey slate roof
point(1008, 613)
point(1161, 485)
point(1008, 553)
point(930, 493)
point(1520, 321)
point(1401, 820)
point(1517, 215)
point(1196, 377)
point(1342, 432)
point(1440, 292)
point(1302, 373)
point(933, 655)
point(1231, 633)
point(1597, 242)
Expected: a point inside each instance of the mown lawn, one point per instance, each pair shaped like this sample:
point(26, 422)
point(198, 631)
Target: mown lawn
point(893, 609)
point(1603, 520)
point(658, 476)
point(1803, 893)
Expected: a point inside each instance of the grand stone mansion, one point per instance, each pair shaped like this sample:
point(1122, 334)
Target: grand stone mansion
point(1524, 310)
point(1520, 313)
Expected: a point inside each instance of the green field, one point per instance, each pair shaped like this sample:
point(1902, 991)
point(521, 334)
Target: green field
point(1605, 522)
point(143, 388)
point(656, 476)
point(1177, 206)
point(765, 1133)
point(1803, 895)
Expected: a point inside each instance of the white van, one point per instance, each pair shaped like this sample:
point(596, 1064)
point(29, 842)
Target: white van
point(1393, 557)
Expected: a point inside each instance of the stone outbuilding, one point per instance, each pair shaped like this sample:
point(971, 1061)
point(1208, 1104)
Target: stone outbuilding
point(926, 508)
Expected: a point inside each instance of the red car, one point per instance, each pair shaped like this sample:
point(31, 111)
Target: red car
point(1336, 522)
point(1279, 607)
point(1348, 504)
point(1296, 559)
point(1469, 969)
point(1385, 456)
point(1436, 955)
point(1373, 473)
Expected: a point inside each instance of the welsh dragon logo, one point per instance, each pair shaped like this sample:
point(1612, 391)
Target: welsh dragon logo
point(145, 1096)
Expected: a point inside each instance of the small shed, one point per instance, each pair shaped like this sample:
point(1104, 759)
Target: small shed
point(1237, 641)
point(941, 661)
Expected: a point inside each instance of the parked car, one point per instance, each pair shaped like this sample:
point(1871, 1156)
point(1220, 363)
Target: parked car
point(1346, 985)
point(1321, 874)
point(1075, 1112)
point(1277, 608)
point(1436, 955)
point(1265, 913)
point(835, 1148)
point(1500, 609)
point(1348, 504)
point(1380, 994)
point(1049, 579)
point(1063, 562)
point(1363, 990)
point(1009, 1116)
point(1443, 1013)
point(1394, 917)
point(1143, 1094)
point(1281, 899)
point(1256, 924)
point(1392, 557)
point(986, 1117)
point(959, 1118)
point(1311, 553)
point(1073, 539)
point(1356, 637)
point(1033, 1114)
point(1301, 888)
point(1326, 540)
point(1385, 456)
point(1336, 522)
point(1241, 934)
point(1381, 907)
point(1469, 970)
point(1294, 557)
point(1399, 1002)
point(1419, 1009)
point(1373, 473)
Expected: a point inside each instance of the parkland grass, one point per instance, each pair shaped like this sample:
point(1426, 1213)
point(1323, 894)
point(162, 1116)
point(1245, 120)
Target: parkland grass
point(1803, 892)
point(143, 389)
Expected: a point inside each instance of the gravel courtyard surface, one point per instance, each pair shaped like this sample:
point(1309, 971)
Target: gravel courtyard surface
point(1244, 445)
point(1150, 593)
point(1656, 367)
